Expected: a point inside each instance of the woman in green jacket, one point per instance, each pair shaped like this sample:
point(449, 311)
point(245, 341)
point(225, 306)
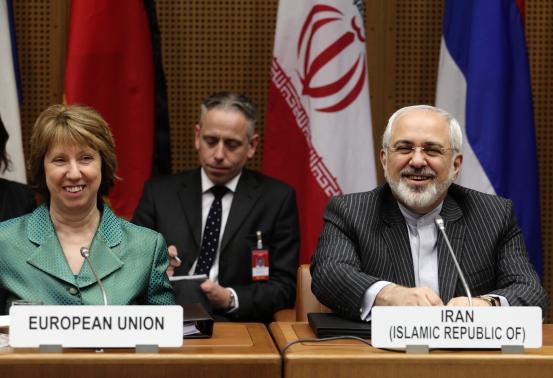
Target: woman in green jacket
point(72, 165)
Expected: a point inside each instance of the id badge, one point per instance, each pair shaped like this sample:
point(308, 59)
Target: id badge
point(260, 264)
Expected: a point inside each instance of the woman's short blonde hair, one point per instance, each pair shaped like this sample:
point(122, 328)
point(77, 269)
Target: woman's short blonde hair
point(68, 125)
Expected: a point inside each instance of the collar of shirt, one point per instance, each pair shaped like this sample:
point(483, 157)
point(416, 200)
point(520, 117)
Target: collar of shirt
point(414, 219)
point(207, 184)
point(423, 236)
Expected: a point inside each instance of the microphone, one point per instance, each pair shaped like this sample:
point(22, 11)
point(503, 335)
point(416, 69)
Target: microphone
point(440, 223)
point(86, 253)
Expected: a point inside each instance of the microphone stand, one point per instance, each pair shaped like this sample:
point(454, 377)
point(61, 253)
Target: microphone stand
point(86, 253)
point(440, 223)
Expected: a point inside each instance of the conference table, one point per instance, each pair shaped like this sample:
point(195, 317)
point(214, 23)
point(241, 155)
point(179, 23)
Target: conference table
point(235, 350)
point(247, 350)
point(351, 358)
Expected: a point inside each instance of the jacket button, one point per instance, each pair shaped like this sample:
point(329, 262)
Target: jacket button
point(73, 290)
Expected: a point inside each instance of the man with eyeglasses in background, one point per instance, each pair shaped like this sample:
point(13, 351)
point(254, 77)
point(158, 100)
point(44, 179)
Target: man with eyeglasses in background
point(383, 248)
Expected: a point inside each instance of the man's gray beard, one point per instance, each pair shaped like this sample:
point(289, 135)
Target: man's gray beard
point(419, 196)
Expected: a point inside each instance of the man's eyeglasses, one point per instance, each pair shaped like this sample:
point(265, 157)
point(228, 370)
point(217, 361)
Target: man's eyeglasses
point(431, 151)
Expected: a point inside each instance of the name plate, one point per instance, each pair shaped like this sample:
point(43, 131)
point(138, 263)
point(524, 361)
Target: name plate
point(95, 326)
point(456, 327)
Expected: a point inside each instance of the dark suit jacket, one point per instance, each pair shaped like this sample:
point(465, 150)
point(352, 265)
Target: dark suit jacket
point(15, 199)
point(365, 240)
point(173, 206)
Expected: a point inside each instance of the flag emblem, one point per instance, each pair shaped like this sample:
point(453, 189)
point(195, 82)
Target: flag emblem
point(316, 80)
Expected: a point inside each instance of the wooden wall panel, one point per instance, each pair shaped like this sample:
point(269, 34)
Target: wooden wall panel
point(417, 50)
point(208, 46)
point(539, 37)
point(381, 34)
point(40, 31)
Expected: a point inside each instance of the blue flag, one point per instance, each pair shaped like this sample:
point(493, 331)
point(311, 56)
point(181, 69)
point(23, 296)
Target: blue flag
point(484, 81)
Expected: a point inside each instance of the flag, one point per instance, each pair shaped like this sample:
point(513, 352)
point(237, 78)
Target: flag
point(110, 68)
point(484, 81)
point(318, 136)
point(9, 99)
point(162, 135)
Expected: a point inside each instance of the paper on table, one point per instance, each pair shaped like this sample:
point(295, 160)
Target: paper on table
point(190, 329)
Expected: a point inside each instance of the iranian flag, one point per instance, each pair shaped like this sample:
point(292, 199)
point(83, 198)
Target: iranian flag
point(318, 135)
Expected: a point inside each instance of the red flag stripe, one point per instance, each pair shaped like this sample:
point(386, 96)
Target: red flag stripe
point(110, 68)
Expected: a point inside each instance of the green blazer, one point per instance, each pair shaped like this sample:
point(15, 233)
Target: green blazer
point(130, 261)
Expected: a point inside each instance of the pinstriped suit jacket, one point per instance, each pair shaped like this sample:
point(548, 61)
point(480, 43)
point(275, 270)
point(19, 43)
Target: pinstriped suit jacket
point(365, 240)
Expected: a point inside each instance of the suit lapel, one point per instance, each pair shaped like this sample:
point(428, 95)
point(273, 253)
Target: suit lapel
point(246, 195)
point(48, 255)
point(397, 241)
point(190, 197)
point(102, 250)
point(455, 229)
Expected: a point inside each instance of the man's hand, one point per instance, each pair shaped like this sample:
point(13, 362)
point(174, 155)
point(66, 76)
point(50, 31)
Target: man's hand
point(395, 295)
point(174, 261)
point(218, 296)
point(464, 301)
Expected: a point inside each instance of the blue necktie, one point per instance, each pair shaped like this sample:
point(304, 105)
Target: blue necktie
point(212, 229)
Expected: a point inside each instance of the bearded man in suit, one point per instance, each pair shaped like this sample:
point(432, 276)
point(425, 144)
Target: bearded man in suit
point(231, 203)
point(383, 248)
